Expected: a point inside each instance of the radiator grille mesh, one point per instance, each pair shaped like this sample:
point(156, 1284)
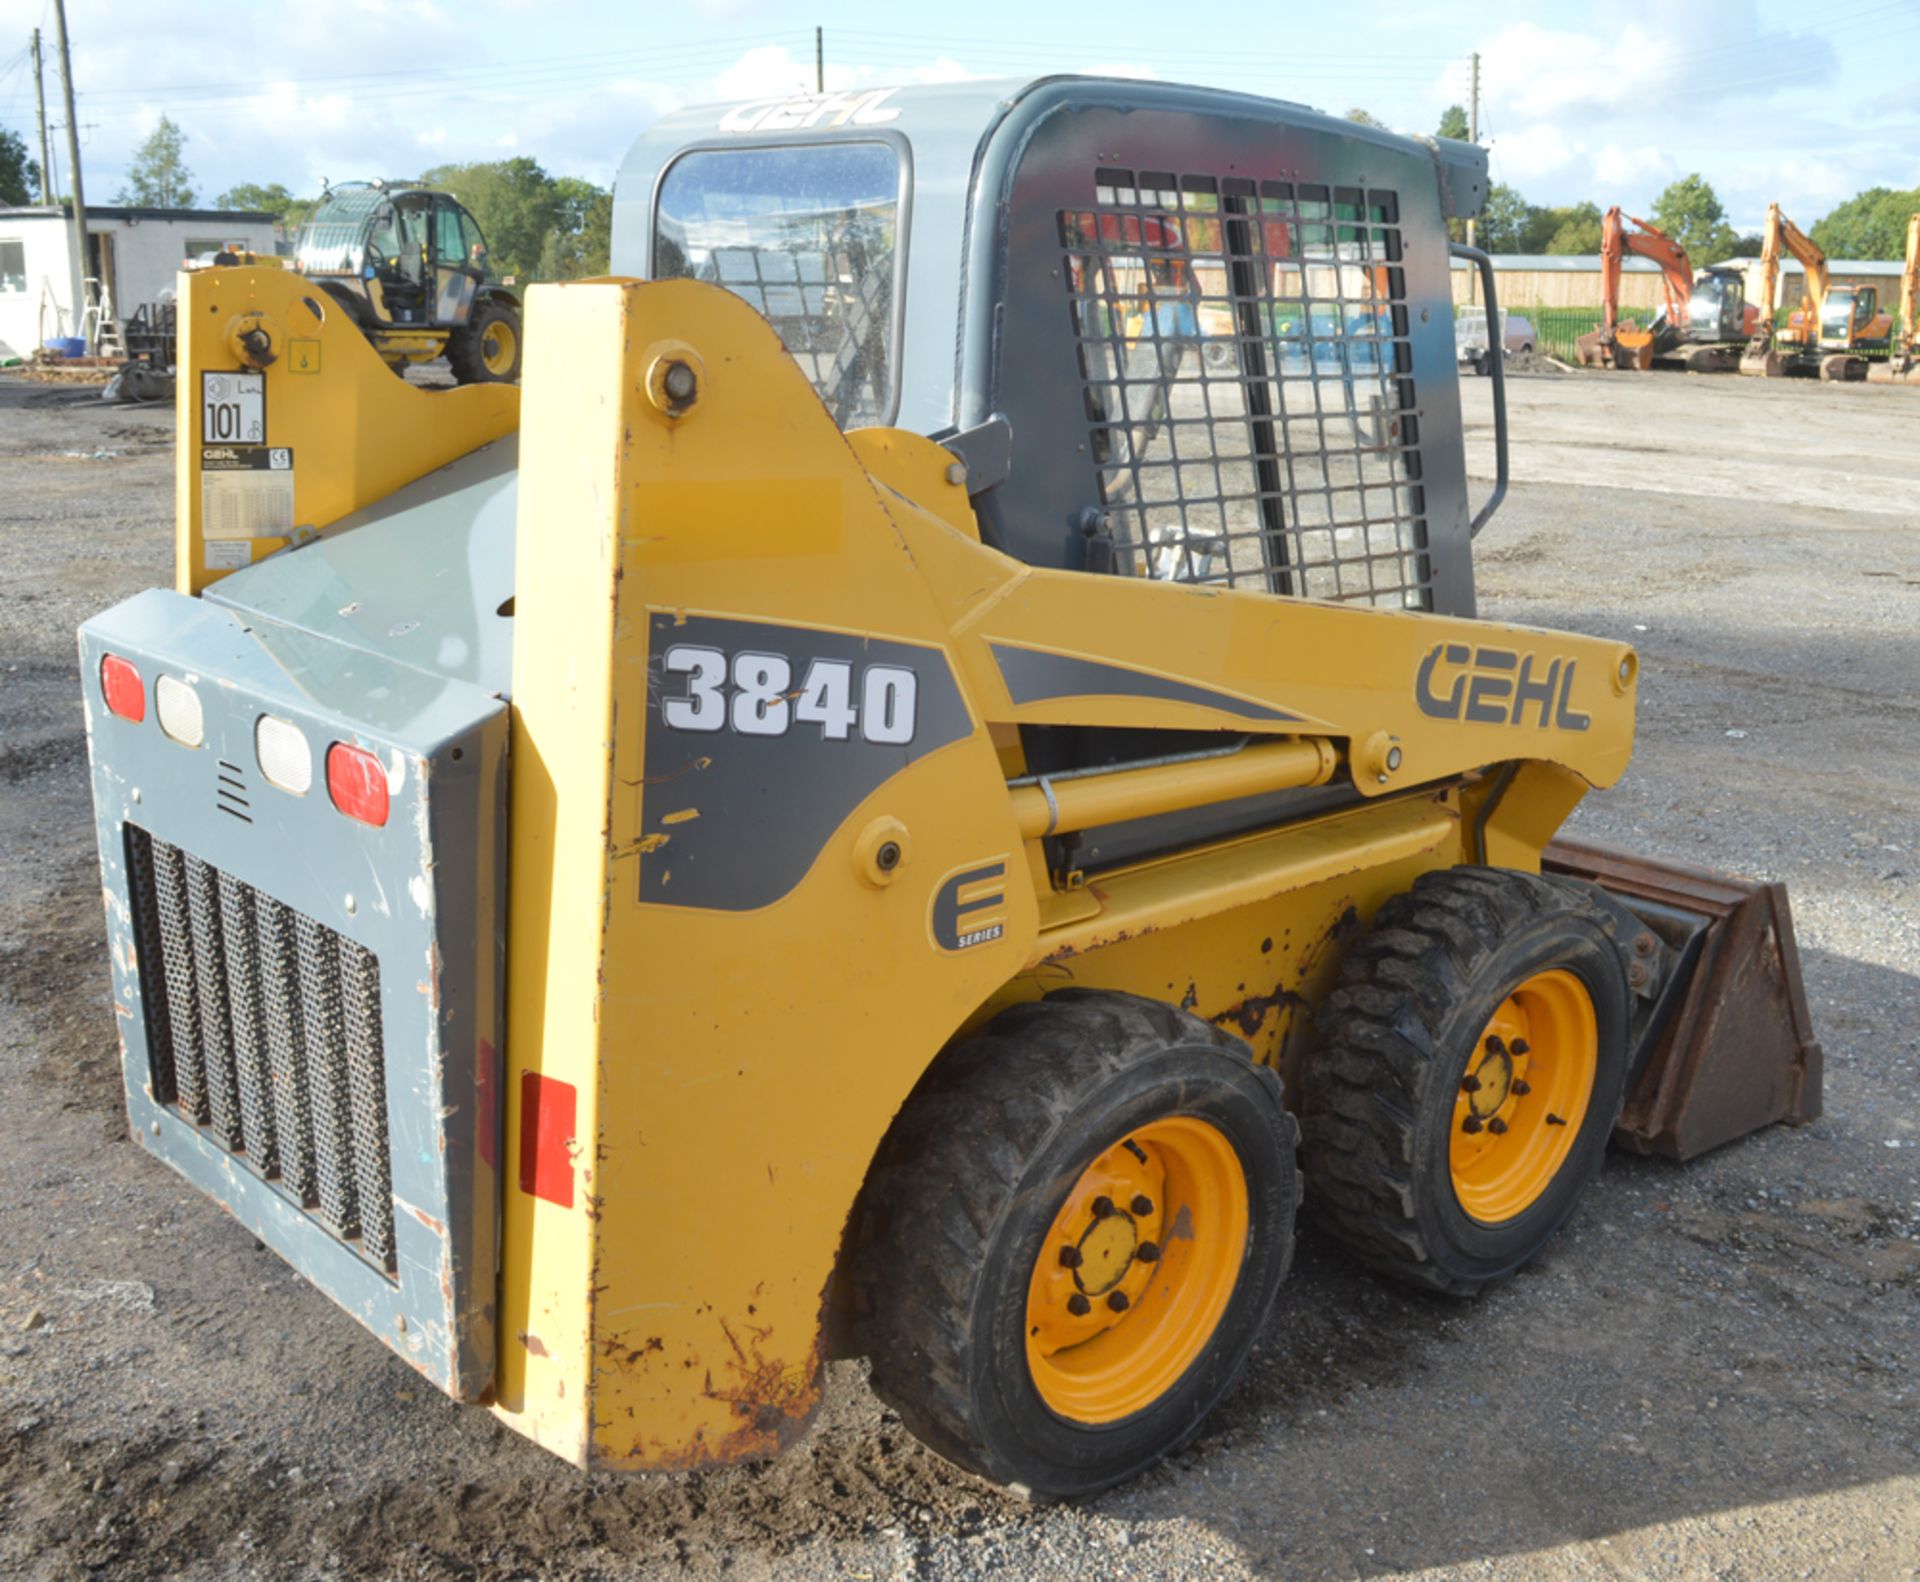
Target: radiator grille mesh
point(263, 1028)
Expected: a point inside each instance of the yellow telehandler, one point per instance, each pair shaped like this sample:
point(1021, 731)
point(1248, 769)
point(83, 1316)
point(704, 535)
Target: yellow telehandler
point(891, 800)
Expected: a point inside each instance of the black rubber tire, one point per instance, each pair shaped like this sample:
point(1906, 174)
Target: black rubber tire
point(967, 1186)
point(464, 356)
point(1377, 1089)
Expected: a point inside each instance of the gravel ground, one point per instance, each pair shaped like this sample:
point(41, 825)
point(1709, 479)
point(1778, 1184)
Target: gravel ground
point(1709, 1375)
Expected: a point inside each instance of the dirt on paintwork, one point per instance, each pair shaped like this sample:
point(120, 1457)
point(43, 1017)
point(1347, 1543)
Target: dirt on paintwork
point(1710, 1374)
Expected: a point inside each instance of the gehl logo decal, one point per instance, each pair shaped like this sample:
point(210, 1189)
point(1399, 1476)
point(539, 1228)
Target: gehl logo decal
point(1496, 686)
point(970, 907)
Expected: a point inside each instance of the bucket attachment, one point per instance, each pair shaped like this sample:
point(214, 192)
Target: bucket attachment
point(1730, 1048)
point(1896, 371)
point(1593, 349)
point(1763, 363)
point(1843, 369)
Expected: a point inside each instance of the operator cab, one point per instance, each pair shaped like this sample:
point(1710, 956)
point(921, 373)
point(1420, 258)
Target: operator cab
point(1159, 356)
point(1848, 313)
point(1717, 309)
point(411, 267)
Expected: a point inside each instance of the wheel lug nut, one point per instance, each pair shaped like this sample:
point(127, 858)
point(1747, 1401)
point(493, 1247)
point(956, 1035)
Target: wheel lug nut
point(1102, 1207)
point(1117, 1300)
point(1554, 1120)
point(1147, 1252)
point(1069, 1257)
point(1470, 1084)
point(1078, 1305)
point(1142, 1205)
point(1497, 1126)
point(1495, 1044)
point(1521, 1089)
point(1470, 1124)
point(1520, 1047)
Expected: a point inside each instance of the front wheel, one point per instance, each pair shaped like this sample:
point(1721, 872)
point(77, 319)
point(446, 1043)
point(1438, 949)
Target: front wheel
point(1469, 1070)
point(487, 351)
point(1074, 1235)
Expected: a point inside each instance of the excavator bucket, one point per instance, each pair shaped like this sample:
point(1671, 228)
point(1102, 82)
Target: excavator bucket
point(1894, 373)
point(1628, 347)
point(1730, 1048)
point(1590, 349)
point(1633, 347)
point(1762, 360)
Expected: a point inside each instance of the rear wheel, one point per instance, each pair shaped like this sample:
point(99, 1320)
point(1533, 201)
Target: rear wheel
point(1073, 1237)
point(487, 351)
point(1470, 1068)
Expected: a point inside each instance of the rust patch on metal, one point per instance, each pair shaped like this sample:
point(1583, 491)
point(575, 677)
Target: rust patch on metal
point(1250, 1014)
point(771, 1401)
point(535, 1346)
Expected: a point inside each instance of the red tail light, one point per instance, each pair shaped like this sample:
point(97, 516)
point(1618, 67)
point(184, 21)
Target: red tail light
point(357, 783)
point(125, 692)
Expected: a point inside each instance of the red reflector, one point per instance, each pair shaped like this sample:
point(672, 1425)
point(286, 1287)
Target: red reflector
point(357, 783)
point(125, 693)
point(546, 1130)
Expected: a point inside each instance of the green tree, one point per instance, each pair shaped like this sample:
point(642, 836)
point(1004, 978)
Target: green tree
point(1366, 118)
point(19, 176)
point(158, 176)
point(272, 198)
point(578, 245)
point(1691, 213)
point(1508, 224)
point(1453, 123)
point(1576, 229)
point(515, 202)
point(1871, 224)
point(253, 198)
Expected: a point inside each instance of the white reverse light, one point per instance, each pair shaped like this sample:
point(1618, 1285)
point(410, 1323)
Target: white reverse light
point(179, 709)
point(285, 758)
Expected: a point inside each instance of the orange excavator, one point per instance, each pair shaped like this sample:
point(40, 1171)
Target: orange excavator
point(1902, 365)
point(1834, 327)
point(1702, 325)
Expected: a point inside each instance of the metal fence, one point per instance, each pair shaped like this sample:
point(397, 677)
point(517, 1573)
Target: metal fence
point(1556, 329)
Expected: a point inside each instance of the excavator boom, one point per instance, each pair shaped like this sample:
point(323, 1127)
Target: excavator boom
point(1612, 344)
point(1903, 360)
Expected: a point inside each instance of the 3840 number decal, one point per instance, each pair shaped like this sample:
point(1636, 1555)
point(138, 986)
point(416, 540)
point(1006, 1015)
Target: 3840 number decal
point(755, 694)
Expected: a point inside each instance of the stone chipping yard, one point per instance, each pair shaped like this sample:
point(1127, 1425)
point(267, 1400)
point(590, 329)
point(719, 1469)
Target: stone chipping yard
point(1711, 1373)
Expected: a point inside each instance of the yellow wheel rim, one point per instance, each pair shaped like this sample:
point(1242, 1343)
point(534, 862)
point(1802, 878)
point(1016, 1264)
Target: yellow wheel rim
point(1523, 1095)
point(1136, 1270)
point(498, 347)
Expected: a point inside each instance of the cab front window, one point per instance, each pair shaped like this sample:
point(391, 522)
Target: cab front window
point(809, 235)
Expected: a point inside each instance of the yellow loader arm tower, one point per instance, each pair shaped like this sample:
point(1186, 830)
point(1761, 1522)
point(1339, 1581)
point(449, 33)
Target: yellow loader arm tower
point(810, 846)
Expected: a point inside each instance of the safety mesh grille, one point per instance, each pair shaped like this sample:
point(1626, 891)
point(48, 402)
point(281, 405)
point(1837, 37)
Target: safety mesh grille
point(263, 1028)
point(1248, 384)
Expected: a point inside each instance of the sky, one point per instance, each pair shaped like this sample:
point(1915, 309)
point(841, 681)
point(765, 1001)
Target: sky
point(1805, 104)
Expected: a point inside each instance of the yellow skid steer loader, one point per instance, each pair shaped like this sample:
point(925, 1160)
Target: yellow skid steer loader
point(899, 797)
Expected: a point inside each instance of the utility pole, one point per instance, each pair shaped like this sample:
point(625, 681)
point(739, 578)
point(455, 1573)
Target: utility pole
point(73, 172)
point(1473, 136)
point(819, 60)
point(40, 101)
point(1473, 121)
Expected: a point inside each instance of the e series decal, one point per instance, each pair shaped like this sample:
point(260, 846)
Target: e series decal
point(1497, 686)
point(970, 906)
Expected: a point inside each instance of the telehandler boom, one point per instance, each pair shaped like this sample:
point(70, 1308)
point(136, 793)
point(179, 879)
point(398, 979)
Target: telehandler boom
point(774, 841)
